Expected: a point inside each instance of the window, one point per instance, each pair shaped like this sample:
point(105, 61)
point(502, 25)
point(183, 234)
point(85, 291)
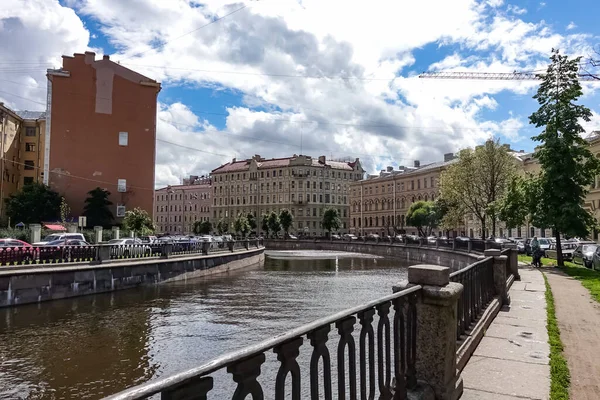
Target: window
point(27, 180)
point(122, 185)
point(30, 131)
point(29, 146)
point(123, 138)
point(29, 165)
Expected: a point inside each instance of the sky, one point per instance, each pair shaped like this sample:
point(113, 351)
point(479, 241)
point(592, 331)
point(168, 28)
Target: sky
point(315, 77)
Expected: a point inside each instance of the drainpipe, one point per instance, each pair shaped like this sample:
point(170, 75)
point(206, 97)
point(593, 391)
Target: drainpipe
point(362, 225)
point(4, 118)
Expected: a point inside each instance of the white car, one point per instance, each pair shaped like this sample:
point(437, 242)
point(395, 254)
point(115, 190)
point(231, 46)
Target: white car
point(129, 247)
point(59, 236)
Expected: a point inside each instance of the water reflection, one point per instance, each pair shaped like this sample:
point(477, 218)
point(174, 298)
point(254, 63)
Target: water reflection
point(90, 347)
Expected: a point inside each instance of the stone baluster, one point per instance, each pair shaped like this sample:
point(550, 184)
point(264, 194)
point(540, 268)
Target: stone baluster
point(436, 348)
point(36, 232)
point(500, 274)
point(97, 234)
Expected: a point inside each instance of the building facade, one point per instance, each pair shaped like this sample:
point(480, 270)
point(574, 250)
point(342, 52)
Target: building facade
point(178, 207)
point(22, 148)
point(380, 203)
point(303, 184)
point(101, 132)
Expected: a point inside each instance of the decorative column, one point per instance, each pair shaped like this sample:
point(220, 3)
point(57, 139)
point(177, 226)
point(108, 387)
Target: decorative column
point(36, 232)
point(436, 329)
point(500, 274)
point(98, 234)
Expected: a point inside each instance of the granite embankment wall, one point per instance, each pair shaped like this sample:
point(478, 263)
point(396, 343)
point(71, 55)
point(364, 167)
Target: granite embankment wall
point(409, 253)
point(37, 283)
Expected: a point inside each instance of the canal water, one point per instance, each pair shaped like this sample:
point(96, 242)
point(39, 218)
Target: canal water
point(90, 347)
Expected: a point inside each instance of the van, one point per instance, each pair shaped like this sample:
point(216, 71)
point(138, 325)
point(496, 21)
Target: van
point(60, 236)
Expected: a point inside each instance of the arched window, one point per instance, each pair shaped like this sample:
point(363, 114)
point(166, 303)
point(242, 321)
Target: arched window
point(425, 197)
point(353, 221)
point(376, 221)
point(532, 231)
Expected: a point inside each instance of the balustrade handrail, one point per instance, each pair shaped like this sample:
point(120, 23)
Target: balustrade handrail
point(153, 387)
point(469, 267)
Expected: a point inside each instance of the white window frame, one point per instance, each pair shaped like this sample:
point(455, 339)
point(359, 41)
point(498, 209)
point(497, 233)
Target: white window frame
point(123, 138)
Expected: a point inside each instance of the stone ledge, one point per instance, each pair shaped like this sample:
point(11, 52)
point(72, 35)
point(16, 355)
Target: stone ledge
point(425, 274)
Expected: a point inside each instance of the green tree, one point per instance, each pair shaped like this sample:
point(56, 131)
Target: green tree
point(241, 225)
point(425, 216)
point(274, 224)
point(264, 224)
point(202, 227)
point(222, 226)
point(514, 207)
point(251, 221)
point(477, 181)
point(331, 220)
point(568, 167)
point(138, 221)
point(97, 208)
point(286, 219)
point(35, 203)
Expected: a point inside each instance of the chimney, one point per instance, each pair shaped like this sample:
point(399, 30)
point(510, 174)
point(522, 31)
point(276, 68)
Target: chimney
point(106, 57)
point(390, 169)
point(521, 151)
point(401, 168)
point(321, 159)
point(448, 157)
point(233, 160)
point(417, 164)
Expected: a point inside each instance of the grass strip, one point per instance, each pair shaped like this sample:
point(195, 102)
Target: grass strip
point(560, 377)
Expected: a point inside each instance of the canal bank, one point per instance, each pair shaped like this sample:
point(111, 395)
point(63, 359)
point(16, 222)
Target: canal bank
point(46, 282)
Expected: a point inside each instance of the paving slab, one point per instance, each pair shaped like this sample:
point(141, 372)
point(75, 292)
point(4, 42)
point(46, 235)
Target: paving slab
point(507, 377)
point(524, 311)
point(517, 350)
point(508, 320)
point(535, 287)
point(518, 333)
point(472, 394)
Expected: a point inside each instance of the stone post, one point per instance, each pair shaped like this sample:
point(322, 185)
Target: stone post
point(103, 254)
point(230, 244)
point(469, 246)
point(500, 267)
point(513, 260)
point(166, 250)
point(36, 232)
point(97, 234)
point(436, 329)
point(116, 232)
point(71, 228)
point(247, 244)
point(454, 244)
point(205, 247)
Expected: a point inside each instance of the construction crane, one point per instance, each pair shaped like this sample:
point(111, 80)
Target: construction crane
point(498, 76)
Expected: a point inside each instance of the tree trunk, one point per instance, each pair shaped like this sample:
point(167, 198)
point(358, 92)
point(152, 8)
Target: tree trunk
point(559, 255)
point(493, 226)
point(483, 228)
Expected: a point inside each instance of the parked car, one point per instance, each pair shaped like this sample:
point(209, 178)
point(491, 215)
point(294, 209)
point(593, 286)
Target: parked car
point(295, 237)
point(567, 248)
point(59, 236)
point(373, 236)
point(584, 254)
point(520, 246)
point(544, 245)
point(148, 239)
point(350, 236)
point(129, 247)
point(431, 239)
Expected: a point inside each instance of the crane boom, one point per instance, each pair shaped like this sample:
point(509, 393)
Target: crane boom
point(501, 76)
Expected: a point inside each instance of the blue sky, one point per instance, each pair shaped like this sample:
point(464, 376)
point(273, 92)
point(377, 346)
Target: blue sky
point(267, 78)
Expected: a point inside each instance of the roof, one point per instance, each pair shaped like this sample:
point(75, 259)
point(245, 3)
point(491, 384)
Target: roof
point(244, 165)
point(31, 114)
point(55, 227)
point(411, 171)
point(185, 187)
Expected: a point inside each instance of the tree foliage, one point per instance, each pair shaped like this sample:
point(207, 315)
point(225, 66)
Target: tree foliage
point(65, 211)
point(138, 221)
point(264, 224)
point(251, 221)
point(477, 181)
point(241, 225)
point(202, 227)
point(286, 219)
point(222, 226)
point(331, 220)
point(97, 208)
point(568, 166)
point(274, 224)
point(425, 216)
point(35, 203)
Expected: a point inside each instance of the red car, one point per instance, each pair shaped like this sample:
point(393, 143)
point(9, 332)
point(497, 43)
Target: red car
point(15, 251)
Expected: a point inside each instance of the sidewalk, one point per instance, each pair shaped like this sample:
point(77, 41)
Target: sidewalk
point(511, 362)
point(578, 317)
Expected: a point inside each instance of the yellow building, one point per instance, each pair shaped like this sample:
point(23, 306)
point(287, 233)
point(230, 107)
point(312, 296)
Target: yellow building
point(22, 148)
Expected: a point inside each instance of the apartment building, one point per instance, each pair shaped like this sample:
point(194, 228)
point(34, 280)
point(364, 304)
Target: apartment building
point(380, 203)
point(178, 207)
point(22, 148)
point(303, 184)
point(100, 131)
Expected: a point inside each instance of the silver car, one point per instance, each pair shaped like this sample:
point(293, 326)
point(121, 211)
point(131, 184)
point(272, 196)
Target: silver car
point(584, 254)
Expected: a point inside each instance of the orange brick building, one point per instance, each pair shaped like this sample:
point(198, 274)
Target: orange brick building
point(101, 132)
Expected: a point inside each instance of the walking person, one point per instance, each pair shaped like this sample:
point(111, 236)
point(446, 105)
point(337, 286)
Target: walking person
point(536, 252)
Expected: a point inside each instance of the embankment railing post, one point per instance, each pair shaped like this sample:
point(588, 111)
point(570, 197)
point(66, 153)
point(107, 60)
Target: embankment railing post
point(500, 274)
point(513, 260)
point(436, 329)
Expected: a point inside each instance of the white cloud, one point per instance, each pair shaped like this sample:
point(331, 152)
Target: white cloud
point(324, 71)
point(571, 26)
point(516, 9)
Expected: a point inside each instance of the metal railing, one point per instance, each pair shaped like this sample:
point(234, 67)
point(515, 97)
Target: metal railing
point(386, 349)
point(478, 290)
point(32, 255)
